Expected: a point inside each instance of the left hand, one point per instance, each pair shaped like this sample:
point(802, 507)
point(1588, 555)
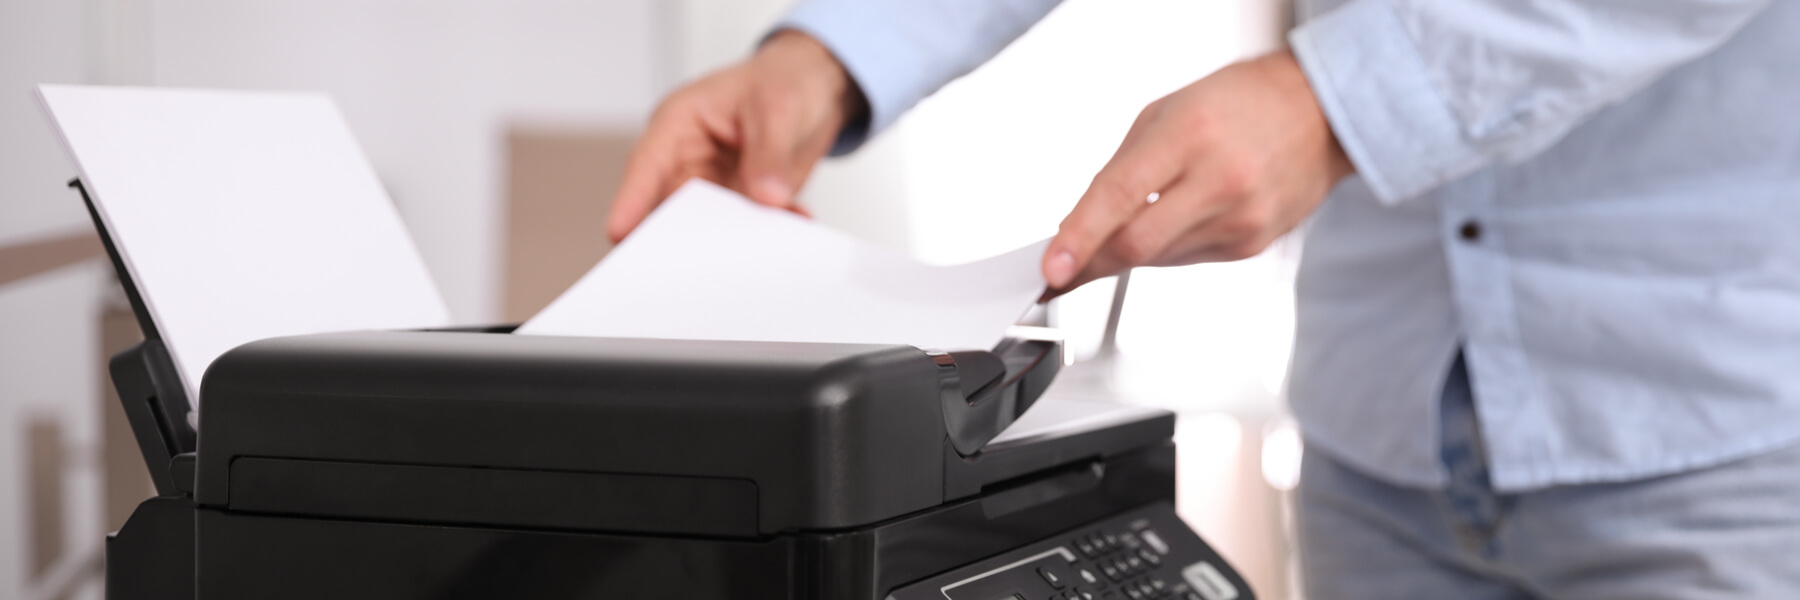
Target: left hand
point(1236, 159)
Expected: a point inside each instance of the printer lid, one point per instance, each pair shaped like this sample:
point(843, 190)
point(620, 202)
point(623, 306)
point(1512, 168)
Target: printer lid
point(806, 436)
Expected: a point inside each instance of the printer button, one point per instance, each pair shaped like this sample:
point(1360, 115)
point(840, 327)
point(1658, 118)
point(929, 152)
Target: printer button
point(1123, 567)
point(1155, 541)
point(1050, 576)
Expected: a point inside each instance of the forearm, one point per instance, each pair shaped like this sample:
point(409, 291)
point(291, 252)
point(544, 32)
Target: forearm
point(900, 51)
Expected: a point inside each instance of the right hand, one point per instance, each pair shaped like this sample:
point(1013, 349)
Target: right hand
point(757, 127)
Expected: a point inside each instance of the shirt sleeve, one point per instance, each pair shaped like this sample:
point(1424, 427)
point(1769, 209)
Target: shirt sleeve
point(900, 51)
point(1420, 92)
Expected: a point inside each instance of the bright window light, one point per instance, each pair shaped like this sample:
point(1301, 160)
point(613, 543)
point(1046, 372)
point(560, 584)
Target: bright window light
point(1281, 454)
point(1209, 336)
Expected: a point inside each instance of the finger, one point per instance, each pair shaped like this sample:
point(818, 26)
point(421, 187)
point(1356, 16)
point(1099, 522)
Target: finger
point(773, 134)
point(1224, 239)
point(1187, 247)
point(685, 138)
point(1189, 202)
point(1103, 265)
point(1205, 242)
point(649, 177)
point(1118, 192)
point(1216, 242)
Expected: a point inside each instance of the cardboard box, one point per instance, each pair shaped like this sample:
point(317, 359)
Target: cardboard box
point(560, 183)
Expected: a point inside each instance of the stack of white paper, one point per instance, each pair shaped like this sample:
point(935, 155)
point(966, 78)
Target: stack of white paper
point(243, 216)
point(710, 264)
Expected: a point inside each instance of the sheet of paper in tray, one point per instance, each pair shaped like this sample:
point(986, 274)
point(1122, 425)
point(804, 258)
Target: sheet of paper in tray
point(710, 264)
point(242, 216)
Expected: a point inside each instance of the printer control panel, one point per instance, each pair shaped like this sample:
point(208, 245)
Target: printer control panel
point(1144, 554)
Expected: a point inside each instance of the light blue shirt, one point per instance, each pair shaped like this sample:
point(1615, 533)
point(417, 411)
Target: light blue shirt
point(1598, 202)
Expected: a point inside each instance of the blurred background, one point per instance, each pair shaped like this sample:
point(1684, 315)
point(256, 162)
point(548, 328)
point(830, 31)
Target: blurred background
point(500, 128)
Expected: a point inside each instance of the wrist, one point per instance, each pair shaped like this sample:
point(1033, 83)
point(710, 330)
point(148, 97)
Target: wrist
point(803, 55)
point(1291, 76)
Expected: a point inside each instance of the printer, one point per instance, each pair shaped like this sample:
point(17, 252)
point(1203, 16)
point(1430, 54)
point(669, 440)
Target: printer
point(477, 464)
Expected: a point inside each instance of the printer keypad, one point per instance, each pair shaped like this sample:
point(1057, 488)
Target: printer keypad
point(1122, 557)
point(1128, 558)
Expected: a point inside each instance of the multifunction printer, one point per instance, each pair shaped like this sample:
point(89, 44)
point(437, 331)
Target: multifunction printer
point(480, 464)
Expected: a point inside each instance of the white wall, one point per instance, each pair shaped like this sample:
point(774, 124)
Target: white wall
point(47, 336)
point(41, 41)
point(48, 341)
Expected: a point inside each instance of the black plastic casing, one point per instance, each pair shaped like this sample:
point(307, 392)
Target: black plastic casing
point(465, 465)
point(737, 439)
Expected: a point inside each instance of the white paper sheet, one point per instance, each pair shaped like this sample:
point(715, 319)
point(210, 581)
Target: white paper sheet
point(710, 264)
point(243, 216)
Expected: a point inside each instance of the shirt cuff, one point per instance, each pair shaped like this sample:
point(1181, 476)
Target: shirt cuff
point(1381, 103)
point(881, 60)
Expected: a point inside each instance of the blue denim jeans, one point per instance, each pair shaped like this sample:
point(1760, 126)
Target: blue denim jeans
point(1731, 531)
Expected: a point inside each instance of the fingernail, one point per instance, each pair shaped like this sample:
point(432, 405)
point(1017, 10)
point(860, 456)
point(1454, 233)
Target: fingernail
point(770, 189)
point(1059, 269)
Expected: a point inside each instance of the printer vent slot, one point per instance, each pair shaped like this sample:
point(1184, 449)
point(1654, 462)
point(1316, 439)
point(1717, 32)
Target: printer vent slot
point(495, 497)
point(1043, 488)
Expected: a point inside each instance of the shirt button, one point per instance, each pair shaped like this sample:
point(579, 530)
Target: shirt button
point(1470, 231)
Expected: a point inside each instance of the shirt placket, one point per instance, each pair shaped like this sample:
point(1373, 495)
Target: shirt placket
point(1507, 411)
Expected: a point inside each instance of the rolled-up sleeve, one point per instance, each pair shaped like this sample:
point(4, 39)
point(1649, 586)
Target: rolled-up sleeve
point(900, 51)
point(1421, 92)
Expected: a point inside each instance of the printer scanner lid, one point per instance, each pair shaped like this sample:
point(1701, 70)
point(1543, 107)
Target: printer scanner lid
point(758, 437)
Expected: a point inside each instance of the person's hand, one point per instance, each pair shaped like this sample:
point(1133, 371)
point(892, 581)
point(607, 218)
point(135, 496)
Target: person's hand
point(757, 127)
point(1235, 160)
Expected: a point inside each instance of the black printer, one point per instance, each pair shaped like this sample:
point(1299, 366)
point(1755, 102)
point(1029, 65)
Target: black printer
point(478, 464)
